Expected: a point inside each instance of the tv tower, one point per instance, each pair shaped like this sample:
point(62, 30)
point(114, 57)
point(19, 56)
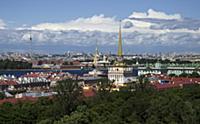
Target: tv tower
point(31, 45)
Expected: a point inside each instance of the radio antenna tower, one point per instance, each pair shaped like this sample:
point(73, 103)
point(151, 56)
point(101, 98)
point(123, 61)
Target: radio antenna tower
point(31, 45)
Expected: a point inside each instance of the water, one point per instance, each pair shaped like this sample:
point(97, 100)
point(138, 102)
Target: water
point(19, 73)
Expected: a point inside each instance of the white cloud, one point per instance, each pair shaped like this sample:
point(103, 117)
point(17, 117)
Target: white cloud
point(2, 24)
point(110, 24)
point(155, 15)
point(100, 23)
point(139, 24)
point(151, 29)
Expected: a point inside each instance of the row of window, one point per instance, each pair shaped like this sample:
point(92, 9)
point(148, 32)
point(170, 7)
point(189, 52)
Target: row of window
point(117, 78)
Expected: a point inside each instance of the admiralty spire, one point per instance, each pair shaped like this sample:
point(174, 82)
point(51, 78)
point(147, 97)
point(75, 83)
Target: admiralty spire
point(120, 73)
point(120, 52)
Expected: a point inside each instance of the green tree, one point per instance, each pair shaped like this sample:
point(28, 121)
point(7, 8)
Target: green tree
point(172, 75)
point(143, 82)
point(105, 85)
point(2, 95)
point(46, 121)
point(183, 75)
point(68, 96)
point(195, 75)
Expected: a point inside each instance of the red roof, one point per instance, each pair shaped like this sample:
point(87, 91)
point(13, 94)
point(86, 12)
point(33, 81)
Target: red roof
point(173, 82)
point(16, 100)
point(8, 82)
point(159, 86)
point(89, 92)
point(34, 75)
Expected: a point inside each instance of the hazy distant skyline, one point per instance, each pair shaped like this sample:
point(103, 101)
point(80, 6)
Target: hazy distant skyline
point(62, 25)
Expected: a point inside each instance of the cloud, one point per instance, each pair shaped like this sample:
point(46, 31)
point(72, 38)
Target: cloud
point(97, 22)
point(128, 23)
point(2, 24)
point(160, 22)
point(155, 15)
point(186, 23)
point(87, 39)
point(135, 22)
point(151, 31)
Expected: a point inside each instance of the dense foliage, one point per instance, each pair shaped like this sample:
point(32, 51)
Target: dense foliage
point(44, 110)
point(2, 95)
point(153, 61)
point(192, 75)
point(177, 106)
point(143, 106)
point(8, 64)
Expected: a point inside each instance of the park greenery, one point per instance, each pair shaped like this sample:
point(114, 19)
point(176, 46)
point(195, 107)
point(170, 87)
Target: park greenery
point(9, 64)
point(2, 95)
point(164, 63)
point(192, 75)
point(144, 105)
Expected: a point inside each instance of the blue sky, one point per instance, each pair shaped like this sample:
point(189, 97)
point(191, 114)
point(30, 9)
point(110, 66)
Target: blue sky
point(62, 25)
point(18, 12)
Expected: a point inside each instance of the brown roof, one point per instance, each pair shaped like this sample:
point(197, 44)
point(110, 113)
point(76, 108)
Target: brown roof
point(173, 82)
point(89, 92)
point(8, 82)
point(16, 100)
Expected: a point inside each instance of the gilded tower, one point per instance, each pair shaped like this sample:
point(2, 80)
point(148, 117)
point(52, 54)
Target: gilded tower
point(120, 53)
point(120, 73)
point(96, 56)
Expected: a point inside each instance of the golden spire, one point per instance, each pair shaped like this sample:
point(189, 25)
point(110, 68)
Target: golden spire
point(120, 42)
point(96, 56)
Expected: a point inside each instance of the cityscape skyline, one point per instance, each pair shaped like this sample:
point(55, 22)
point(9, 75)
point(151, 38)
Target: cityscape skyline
point(99, 61)
point(153, 26)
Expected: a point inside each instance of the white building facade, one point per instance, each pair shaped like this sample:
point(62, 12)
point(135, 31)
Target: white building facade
point(120, 75)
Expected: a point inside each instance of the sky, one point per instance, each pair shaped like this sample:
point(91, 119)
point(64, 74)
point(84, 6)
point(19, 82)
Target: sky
point(62, 25)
